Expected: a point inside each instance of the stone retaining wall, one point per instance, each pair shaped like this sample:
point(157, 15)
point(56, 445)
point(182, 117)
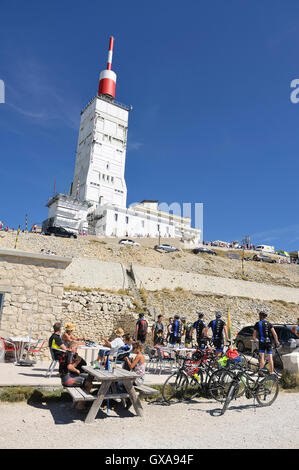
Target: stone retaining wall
point(96, 314)
point(157, 279)
point(33, 289)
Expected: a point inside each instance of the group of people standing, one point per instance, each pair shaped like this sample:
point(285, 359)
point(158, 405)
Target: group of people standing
point(180, 331)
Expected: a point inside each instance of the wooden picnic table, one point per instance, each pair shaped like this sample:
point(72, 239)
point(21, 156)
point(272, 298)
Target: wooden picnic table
point(109, 380)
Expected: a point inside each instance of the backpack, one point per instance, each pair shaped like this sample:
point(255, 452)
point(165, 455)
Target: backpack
point(142, 330)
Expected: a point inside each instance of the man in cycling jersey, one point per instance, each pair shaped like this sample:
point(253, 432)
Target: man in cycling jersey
point(187, 332)
point(262, 332)
point(176, 330)
point(200, 327)
point(218, 327)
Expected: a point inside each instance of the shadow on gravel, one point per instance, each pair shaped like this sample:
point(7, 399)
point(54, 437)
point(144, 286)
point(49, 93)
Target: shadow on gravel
point(65, 413)
point(217, 411)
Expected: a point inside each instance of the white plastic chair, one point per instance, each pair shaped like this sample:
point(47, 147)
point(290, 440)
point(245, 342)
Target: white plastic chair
point(54, 362)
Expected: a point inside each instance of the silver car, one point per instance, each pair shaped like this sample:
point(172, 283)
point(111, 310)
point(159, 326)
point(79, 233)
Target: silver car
point(166, 247)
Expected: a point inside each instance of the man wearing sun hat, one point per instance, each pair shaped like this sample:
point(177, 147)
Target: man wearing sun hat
point(68, 336)
point(114, 345)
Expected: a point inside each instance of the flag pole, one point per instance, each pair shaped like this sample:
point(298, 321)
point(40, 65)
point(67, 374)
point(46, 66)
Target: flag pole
point(229, 328)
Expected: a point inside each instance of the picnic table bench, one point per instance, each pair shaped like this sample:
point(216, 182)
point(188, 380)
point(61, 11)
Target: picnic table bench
point(108, 380)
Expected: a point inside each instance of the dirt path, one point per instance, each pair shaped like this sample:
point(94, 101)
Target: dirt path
point(195, 425)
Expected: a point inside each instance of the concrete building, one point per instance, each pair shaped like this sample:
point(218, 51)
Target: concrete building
point(97, 203)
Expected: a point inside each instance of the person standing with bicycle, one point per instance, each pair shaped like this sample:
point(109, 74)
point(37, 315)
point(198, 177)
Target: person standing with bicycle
point(262, 333)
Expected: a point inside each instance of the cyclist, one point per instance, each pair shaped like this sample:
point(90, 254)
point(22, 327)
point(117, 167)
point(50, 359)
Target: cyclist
point(218, 327)
point(141, 328)
point(187, 332)
point(262, 332)
point(200, 327)
point(176, 330)
point(168, 336)
point(158, 334)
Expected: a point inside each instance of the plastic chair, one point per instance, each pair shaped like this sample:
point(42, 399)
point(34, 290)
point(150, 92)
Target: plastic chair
point(54, 362)
point(164, 359)
point(153, 358)
point(8, 346)
point(34, 350)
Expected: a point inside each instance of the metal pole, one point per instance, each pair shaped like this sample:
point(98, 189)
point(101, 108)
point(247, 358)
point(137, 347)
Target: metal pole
point(16, 242)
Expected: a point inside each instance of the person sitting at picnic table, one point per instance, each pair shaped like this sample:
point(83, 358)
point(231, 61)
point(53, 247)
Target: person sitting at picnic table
point(137, 365)
point(70, 374)
point(112, 345)
point(68, 338)
point(55, 342)
point(124, 351)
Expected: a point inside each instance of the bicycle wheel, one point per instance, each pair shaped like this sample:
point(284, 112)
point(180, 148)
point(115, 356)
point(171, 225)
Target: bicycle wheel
point(219, 383)
point(174, 387)
point(230, 395)
point(194, 387)
point(267, 391)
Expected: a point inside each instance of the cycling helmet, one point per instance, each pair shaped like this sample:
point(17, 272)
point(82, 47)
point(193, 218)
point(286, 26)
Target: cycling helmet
point(183, 318)
point(263, 314)
point(200, 314)
point(218, 314)
point(176, 316)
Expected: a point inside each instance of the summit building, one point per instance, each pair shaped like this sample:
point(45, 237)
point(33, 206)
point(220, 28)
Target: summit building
point(97, 202)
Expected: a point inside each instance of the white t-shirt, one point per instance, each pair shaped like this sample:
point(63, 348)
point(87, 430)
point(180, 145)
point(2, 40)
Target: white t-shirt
point(115, 345)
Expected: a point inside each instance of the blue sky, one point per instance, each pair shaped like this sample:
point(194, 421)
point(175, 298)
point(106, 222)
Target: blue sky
point(212, 119)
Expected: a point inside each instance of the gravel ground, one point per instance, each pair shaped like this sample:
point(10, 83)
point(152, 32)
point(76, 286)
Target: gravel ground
point(195, 425)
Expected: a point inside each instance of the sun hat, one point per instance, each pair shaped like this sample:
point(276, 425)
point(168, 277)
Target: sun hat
point(119, 332)
point(69, 327)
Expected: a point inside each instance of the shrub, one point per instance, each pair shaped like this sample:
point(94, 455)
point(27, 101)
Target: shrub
point(289, 381)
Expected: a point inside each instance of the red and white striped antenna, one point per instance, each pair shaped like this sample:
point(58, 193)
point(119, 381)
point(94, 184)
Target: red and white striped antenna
point(108, 77)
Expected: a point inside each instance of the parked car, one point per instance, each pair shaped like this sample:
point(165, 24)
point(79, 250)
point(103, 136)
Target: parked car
point(126, 241)
point(166, 247)
point(288, 340)
point(204, 250)
point(264, 258)
point(59, 232)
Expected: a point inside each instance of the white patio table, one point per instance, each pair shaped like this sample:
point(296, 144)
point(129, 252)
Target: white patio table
point(22, 341)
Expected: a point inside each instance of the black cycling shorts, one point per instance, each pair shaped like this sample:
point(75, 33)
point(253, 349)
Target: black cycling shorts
point(176, 340)
point(202, 343)
point(265, 347)
point(141, 338)
point(218, 343)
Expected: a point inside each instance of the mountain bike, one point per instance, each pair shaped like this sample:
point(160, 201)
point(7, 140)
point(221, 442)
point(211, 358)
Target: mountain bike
point(264, 388)
point(193, 372)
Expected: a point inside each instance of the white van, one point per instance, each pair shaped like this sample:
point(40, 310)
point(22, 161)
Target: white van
point(265, 248)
